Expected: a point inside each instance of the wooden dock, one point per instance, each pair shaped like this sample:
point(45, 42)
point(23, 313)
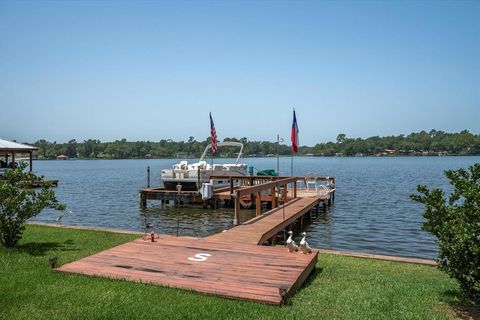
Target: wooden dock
point(232, 264)
point(233, 270)
point(229, 193)
point(166, 196)
point(261, 229)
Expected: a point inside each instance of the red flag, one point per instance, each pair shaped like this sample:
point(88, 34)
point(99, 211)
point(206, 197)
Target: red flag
point(294, 134)
point(213, 133)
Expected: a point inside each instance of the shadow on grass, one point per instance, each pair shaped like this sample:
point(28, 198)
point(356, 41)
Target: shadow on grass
point(464, 308)
point(41, 248)
point(313, 275)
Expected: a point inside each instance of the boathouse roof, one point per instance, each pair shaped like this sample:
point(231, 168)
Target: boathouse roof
point(10, 146)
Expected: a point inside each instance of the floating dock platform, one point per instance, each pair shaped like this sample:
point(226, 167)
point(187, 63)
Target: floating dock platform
point(231, 270)
point(39, 184)
point(167, 196)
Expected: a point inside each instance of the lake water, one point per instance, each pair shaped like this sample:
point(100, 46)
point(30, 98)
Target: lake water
point(372, 213)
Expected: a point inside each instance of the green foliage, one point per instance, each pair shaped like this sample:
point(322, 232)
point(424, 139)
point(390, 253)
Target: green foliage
point(71, 151)
point(421, 143)
point(417, 143)
point(456, 224)
point(19, 202)
point(342, 137)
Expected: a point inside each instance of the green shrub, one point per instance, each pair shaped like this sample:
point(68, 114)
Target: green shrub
point(19, 202)
point(456, 224)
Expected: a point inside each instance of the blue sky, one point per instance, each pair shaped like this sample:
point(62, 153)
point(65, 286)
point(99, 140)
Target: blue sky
point(151, 70)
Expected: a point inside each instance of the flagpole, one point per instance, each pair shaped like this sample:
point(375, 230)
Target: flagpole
point(211, 162)
point(213, 141)
point(291, 166)
point(278, 155)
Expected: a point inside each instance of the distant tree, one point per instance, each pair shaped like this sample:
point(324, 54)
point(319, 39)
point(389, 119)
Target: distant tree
point(87, 148)
point(19, 202)
point(57, 149)
point(72, 149)
point(42, 146)
point(341, 138)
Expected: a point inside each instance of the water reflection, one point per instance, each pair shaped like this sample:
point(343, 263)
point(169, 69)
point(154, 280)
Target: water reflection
point(191, 220)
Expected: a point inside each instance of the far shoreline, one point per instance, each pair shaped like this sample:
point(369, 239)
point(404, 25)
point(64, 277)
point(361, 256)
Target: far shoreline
point(272, 157)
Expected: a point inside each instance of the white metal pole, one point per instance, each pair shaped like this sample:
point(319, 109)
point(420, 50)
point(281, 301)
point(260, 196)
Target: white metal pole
point(278, 155)
point(291, 166)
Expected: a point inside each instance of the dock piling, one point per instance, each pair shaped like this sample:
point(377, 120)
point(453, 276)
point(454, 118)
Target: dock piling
point(143, 201)
point(236, 219)
point(148, 177)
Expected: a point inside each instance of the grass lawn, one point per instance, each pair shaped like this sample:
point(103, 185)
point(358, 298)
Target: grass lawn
point(340, 288)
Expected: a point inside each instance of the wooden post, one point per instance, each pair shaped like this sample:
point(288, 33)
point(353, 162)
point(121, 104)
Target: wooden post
point(284, 194)
point(295, 189)
point(148, 177)
point(258, 204)
point(143, 200)
point(273, 198)
point(231, 186)
point(198, 178)
point(236, 220)
point(31, 161)
point(251, 195)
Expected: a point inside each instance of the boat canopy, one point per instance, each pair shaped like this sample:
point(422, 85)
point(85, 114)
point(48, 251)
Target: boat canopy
point(223, 144)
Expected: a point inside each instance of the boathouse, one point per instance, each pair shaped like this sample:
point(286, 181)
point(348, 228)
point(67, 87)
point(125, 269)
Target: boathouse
point(8, 150)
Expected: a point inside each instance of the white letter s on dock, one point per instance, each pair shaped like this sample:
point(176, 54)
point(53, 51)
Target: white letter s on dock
point(200, 257)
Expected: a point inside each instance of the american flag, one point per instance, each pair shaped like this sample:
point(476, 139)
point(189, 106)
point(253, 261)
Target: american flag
point(213, 132)
point(294, 134)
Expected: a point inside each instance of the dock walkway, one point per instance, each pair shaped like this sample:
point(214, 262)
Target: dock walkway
point(258, 230)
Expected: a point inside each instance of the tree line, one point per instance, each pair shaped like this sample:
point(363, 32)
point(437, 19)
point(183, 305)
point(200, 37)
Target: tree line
point(434, 142)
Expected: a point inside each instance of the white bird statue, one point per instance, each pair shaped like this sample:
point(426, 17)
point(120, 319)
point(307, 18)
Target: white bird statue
point(291, 245)
point(304, 247)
